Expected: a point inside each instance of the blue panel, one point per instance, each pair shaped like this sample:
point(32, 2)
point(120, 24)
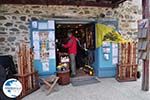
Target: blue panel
point(38, 66)
point(42, 26)
point(96, 63)
point(103, 67)
point(52, 63)
point(103, 62)
point(52, 69)
point(111, 72)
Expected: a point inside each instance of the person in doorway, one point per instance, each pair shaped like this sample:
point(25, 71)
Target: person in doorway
point(72, 51)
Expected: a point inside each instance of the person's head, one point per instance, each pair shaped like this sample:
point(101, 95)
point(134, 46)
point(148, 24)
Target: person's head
point(69, 34)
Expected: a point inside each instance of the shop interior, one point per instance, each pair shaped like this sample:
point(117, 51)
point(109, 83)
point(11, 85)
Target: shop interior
point(85, 33)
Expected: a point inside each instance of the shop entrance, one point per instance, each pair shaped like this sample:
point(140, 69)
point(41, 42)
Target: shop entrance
point(84, 31)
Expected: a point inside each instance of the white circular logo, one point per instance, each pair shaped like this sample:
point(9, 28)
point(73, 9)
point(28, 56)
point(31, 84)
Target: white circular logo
point(12, 88)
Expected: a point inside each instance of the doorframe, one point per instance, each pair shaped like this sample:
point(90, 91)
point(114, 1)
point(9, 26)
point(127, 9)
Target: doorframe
point(73, 20)
point(78, 21)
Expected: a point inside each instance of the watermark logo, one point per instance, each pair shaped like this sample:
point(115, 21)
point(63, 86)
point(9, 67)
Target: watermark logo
point(12, 88)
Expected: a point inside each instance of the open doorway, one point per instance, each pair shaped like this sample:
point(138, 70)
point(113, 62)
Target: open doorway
point(85, 33)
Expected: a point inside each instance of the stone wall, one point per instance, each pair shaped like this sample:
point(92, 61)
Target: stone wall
point(14, 19)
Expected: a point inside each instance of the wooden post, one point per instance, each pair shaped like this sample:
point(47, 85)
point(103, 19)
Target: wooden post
point(26, 73)
point(145, 80)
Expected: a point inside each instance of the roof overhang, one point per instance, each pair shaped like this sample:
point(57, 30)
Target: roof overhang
point(99, 3)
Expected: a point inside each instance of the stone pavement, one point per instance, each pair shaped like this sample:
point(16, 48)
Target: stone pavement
point(107, 89)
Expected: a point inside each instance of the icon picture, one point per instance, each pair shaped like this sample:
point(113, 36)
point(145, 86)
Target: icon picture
point(12, 88)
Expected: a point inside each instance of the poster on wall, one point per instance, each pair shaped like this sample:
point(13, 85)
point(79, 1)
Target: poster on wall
point(42, 26)
point(44, 46)
point(52, 45)
point(51, 36)
point(106, 50)
point(45, 66)
point(115, 60)
point(51, 24)
point(36, 55)
point(43, 41)
point(35, 35)
point(36, 45)
point(114, 53)
point(34, 24)
point(52, 54)
point(106, 56)
point(106, 44)
point(114, 50)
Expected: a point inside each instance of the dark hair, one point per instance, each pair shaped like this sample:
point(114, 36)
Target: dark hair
point(70, 31)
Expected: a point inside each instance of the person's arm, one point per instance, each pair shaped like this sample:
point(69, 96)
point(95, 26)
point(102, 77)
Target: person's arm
point(79, 42)
point(68, 44)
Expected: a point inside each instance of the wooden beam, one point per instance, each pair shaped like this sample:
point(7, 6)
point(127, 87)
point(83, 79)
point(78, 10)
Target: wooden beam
point(116, 2)
point(146, 9)
point(145, 78)
point(98, 3)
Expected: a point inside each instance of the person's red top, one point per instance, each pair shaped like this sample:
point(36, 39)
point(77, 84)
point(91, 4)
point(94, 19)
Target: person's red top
point(71, 45)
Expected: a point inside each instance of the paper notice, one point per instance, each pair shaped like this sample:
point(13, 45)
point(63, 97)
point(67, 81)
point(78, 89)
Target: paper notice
point(36, 45)
point(42, 25)
point(51, 36)
point(36, 55)
point(51, 24)
point(34, 24)
point(45, 66)
point(106, 56)
point(115, 60)
point(106, 50)
point(115, 52)
point(52, 45)
point(52, 54)
point(114, 45)
point(35, 35)
point(105, 44)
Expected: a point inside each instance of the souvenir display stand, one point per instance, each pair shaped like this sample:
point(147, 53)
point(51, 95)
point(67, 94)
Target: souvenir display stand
point(26, 73)
point(127, 66)
point(43, 43)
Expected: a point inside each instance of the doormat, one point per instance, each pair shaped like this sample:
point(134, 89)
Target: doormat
point(85, 80)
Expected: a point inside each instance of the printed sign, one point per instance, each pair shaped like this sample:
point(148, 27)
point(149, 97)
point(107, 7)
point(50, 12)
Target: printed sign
point(45, 66)
point(34, 24)
point(35, 35)
point(12, 88)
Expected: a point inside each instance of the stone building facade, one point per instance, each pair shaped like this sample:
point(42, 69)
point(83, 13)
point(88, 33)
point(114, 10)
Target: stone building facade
point(15, 19)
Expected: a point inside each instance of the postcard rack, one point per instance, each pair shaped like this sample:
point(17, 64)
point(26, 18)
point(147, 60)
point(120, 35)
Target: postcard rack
point(127, 66)
point(26, 74)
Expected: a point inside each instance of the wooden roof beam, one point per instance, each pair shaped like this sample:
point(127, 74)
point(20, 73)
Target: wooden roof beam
point(99, 3)
point(118, 1)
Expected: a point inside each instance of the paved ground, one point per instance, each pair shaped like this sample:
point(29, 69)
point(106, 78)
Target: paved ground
point(107, 89)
